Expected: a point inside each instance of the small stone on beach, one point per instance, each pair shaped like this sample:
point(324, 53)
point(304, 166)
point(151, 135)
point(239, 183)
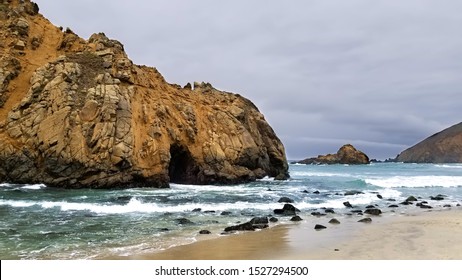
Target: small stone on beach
point(296, 219)
point(319, 227)
point(334, 221)
point(348, 204)
point(365, 220)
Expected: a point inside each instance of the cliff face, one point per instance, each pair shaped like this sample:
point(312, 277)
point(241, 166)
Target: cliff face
point(442, 147)
point(347, 154)
point(79, 113)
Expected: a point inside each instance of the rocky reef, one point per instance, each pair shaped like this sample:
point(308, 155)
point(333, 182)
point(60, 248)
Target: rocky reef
point(347, 154)
point(78, 113)
point(442, 147)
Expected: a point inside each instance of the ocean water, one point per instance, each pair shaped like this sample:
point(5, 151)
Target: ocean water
point(37, 222)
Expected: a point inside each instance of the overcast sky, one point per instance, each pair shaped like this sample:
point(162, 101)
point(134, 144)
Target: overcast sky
point(381, 75)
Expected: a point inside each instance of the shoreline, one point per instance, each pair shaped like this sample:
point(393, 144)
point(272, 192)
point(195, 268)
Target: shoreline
point(435, 234)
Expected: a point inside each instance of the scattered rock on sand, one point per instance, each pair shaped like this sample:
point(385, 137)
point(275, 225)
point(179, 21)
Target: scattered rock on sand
point(255, 223)
point(288, 210)
point(425, 206)
point(365, 220)
point(241, 227)
point(410, 199)
point(319, 227)
point(296, 219)
point(204, 231)
point(273, 220)
point(259, 221)
point(334, 221)
point(317, 214)
point(373, 211)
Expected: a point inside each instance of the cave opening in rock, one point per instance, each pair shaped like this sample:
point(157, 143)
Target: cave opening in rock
point(182, 168)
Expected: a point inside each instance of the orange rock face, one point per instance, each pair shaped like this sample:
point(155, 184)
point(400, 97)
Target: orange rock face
point(442, 147)
point(79, 113)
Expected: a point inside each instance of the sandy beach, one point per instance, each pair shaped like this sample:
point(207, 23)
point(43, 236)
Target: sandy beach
point(429, 235)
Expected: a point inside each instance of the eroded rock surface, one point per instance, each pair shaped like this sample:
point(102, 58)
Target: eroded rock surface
point(79, 113)
point(347, 154)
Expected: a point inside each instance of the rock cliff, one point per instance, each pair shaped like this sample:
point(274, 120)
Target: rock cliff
point(79, 113)
point(347, 154)
point(442, 147)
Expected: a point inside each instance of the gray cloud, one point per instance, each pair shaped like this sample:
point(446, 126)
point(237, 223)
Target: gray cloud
point(381, 75)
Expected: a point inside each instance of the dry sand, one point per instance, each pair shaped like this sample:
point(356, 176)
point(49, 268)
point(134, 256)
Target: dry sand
point(433, 235)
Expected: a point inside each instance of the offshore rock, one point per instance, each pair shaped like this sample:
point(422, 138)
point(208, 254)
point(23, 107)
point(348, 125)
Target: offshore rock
point(442, 147)
point(347, 154)
point(78, 113)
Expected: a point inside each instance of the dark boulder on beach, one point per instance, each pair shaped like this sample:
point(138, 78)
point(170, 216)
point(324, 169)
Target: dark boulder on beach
point(319, 227)
point(373, 211)
point(259, 221)
point(424, 206)
point(287, 210)
point(252, 225)
point(347, 154)
point(204, 231)
point(334, 222)
point(329, 210)
point(241, 227)
point(296, 219)
point(365, 220)
point(411, 199)
point(442, 147)
point(317, 214)
point(348, 204)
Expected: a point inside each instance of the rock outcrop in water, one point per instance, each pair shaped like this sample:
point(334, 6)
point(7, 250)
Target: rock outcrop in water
point(79, 113)
point(442, 147)
point(347, 154)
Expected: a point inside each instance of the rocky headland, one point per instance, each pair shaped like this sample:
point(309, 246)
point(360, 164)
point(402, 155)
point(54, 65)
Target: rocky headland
point(347, 154)
point(442, 147)
point(78, 113)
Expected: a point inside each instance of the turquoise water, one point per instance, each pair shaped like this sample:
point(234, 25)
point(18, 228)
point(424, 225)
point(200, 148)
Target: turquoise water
point(37, 222)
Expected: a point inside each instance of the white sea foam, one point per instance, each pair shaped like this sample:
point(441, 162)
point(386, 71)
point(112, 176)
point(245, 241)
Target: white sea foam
point(319, 174)
point(453, 166)
point(137, 206)
point(16, 203)
point(34, 187)
point(266, 179)
point(417, 181)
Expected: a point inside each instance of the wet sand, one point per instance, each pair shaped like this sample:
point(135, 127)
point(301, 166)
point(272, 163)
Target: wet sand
point(417, 236)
